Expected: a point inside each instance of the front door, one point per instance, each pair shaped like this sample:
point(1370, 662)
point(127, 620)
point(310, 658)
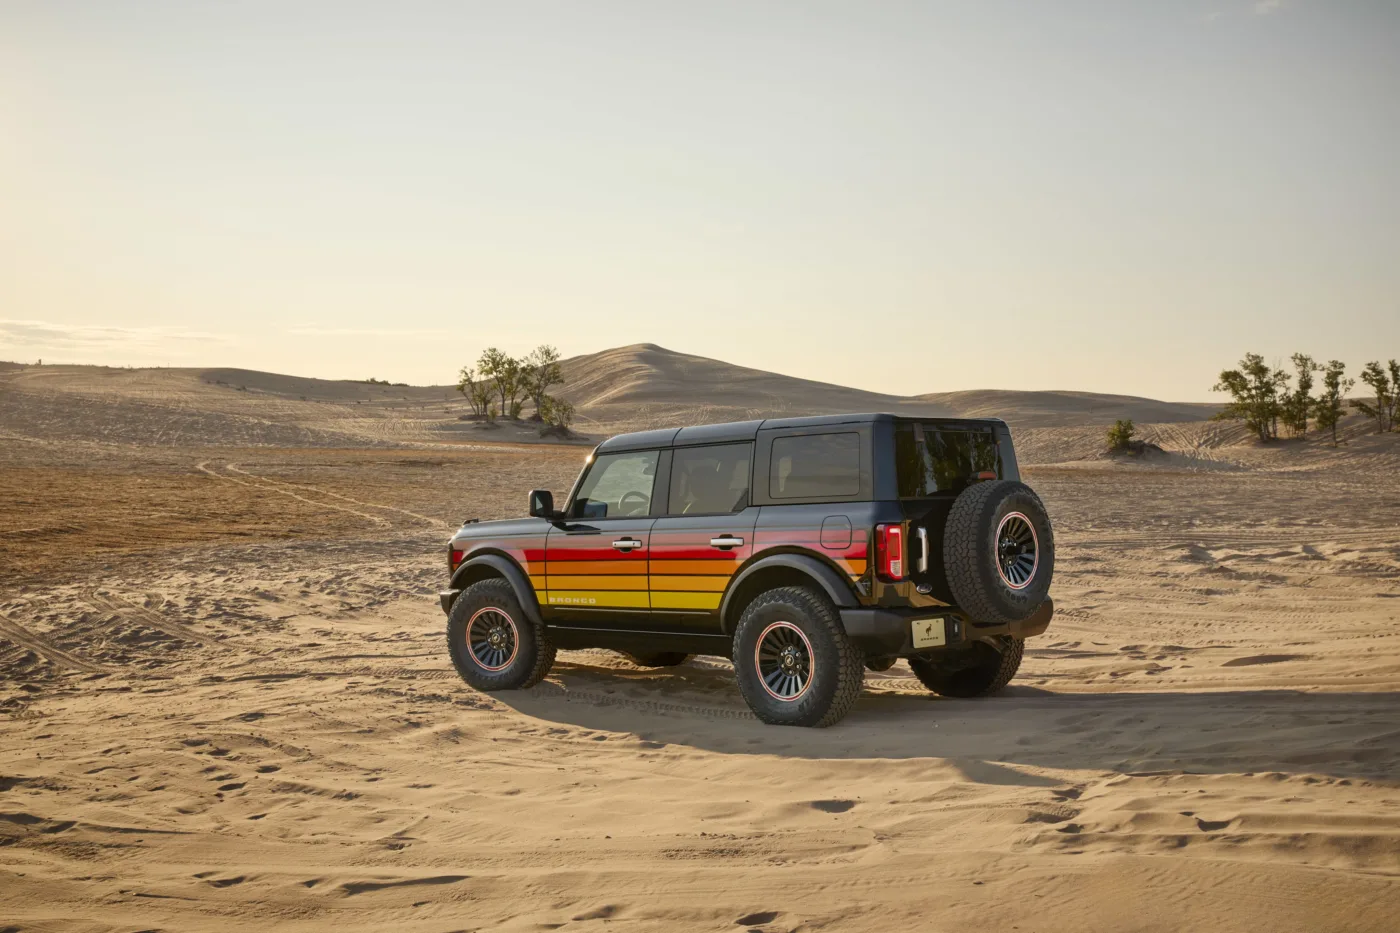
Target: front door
point(703, 536)
point(596, 557)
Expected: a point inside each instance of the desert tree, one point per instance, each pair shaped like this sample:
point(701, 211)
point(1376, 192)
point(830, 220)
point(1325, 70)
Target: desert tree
point(557, 412)
point(1328, 407)
point(476, 390)
point(1393, 368)
point(1255, 390)
point(1385, 386)
point(505, 372)
point(1120, 436)
point(1298, 404)
point(540, 372)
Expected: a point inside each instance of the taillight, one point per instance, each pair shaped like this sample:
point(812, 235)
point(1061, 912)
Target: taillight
point(454, 557)
point(889, 552)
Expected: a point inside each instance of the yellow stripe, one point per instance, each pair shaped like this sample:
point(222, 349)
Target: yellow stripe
point(709, 584)
point(596, 582)
point(856, 567)
point(724, 567)
point(685, 600)
point(600, 599)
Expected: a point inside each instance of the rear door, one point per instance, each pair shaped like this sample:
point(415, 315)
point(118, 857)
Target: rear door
point(703, 536)
point(596, 558)
point(935, 462)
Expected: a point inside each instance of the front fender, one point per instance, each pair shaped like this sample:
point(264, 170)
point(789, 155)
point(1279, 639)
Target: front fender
point(503, 567)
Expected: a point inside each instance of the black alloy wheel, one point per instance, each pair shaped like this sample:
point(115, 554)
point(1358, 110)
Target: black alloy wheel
point(784, 661)
point(1018, 553)
point(492, 638)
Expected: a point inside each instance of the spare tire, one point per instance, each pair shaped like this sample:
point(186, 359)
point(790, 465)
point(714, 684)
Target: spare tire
point(998, 551)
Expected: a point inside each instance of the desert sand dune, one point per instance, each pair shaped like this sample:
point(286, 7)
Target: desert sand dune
point(627, 388)
point(225, 701)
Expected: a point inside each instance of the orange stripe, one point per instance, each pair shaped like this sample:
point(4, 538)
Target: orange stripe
point(673, 584)
point(721, 567)
point(611, 568)
point(595, 582)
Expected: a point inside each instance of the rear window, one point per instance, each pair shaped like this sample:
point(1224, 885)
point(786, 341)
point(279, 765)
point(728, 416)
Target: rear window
point(932, 460)
point(815, 466)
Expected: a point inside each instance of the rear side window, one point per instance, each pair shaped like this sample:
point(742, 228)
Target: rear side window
point(815, 466)
point(710, 480)
point(931, 460)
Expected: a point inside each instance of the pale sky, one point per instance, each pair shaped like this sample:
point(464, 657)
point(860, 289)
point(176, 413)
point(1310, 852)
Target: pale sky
point(906, 197)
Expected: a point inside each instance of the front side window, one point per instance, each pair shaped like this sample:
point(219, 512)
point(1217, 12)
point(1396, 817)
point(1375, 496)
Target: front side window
point(710, 480)
point(932, 460)
point(617, 486)
point(815, 466)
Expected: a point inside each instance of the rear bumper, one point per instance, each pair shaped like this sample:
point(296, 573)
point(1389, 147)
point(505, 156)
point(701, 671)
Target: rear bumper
point(883, 632)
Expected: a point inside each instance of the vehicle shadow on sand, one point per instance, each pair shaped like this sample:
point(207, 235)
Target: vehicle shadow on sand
point(1343, 735)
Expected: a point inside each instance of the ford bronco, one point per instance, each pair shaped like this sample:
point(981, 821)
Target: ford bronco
point(806, 550)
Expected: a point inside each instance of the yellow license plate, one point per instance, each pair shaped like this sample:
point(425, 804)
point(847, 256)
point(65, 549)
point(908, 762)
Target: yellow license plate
point(929, 633)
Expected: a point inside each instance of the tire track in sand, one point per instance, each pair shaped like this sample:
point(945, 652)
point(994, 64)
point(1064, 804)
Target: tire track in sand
point(144, 616)
point(203, 467)
point(234, 468)
point(13, 631)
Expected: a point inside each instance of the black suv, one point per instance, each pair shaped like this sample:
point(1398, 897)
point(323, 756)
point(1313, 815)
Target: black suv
point(803, 549)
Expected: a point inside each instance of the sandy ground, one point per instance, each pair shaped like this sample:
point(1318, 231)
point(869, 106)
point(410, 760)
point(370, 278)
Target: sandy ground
point(226, 705)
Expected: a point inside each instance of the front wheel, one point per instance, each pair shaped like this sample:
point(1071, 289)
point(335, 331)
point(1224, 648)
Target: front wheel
point(493, 645)
point(792, 659)
point(976, 671)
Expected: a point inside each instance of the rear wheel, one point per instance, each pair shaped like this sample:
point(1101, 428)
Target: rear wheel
point(792, 659)
point(493, 645)
point(978, 670)
point(657, 658)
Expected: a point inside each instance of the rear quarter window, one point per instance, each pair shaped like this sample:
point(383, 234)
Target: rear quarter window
point(931, 460)
point(815, 466)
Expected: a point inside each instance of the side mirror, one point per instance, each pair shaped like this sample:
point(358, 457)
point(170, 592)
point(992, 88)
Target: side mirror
point(542, 504)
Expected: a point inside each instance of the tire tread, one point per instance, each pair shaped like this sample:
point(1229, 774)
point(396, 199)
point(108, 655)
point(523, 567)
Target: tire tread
point(948, 685)
point(849, 659)
point(962, 546)
point(499, 591)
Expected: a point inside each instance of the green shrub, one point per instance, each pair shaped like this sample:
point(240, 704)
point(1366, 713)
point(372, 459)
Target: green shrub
point(1120, 436)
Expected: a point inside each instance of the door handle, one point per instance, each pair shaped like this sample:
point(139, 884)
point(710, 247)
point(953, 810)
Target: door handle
point(922, 566)
point(725, 542)
point(626, 544)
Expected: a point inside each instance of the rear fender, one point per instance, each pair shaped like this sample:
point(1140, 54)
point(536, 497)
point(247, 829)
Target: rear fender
point(838, 590)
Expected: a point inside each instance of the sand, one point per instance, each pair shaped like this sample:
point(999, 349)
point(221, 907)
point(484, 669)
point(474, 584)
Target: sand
point(225, 701)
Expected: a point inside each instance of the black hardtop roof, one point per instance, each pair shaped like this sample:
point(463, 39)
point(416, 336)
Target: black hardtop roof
point(736, 431)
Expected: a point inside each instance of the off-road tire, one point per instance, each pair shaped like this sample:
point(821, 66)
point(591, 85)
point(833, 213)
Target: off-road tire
point(836, 667)
point(992, 669)
point(970, 552)
point(657, 658)
point(533, 654)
